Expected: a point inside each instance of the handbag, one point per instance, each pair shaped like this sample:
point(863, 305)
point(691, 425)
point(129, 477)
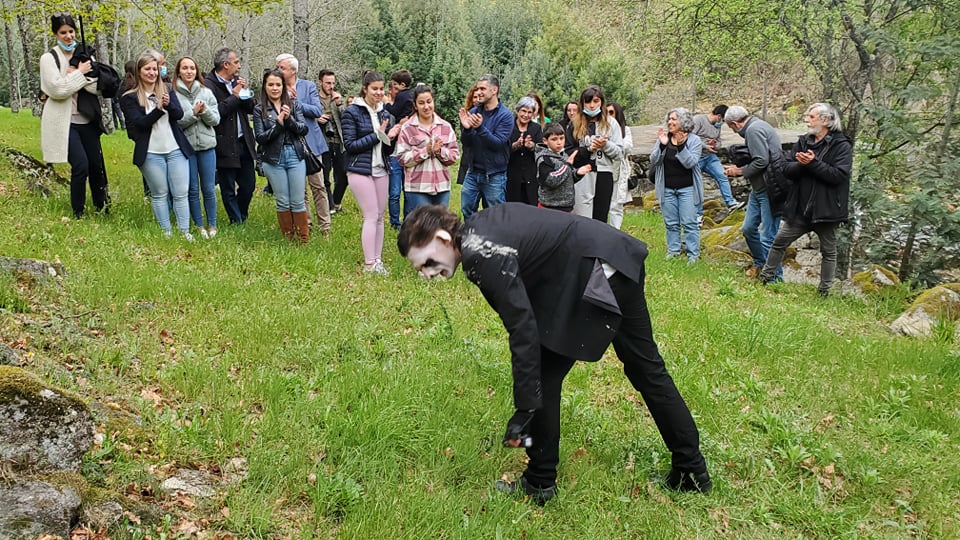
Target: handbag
point(314, 165)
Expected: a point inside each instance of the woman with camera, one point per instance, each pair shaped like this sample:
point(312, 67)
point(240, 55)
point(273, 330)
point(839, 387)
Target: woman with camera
point(161, 149)
point(69, 128)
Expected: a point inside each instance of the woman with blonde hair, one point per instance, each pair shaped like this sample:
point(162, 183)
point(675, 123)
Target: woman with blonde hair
point(161, 149)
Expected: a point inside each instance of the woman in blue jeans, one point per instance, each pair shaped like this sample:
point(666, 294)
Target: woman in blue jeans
point(161, 150)
point(677, 182)
point(200, 115)
point(279, 127)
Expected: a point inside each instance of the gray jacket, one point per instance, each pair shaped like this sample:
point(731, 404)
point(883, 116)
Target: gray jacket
point(760, 138)
point(199, 130)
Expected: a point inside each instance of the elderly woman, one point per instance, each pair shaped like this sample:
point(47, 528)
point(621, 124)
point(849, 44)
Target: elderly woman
point(70, 127)
point(522, 168)
point(677, 182)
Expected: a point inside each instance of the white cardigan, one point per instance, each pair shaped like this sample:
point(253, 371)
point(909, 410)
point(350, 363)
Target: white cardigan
point(60, 88)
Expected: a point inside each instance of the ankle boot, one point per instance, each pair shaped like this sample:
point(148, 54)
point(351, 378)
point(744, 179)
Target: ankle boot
point(285, 217)
point(300, 220)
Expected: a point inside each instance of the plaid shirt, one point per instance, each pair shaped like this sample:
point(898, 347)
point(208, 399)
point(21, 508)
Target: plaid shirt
point(425, 173)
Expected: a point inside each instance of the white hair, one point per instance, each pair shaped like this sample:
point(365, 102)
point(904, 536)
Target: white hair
point(735, 113)
point(291, 59)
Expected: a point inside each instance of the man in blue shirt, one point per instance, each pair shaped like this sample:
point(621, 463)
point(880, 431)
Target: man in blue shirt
point(486, 131)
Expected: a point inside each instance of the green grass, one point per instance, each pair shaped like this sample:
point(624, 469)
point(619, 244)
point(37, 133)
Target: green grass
point(373, 407)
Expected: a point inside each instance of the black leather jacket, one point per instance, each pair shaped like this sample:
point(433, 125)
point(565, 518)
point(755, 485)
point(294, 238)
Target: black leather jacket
point(271, 136)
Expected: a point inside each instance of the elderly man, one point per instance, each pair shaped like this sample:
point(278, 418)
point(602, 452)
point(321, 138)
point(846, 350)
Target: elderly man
point(235, 141)
point(565, 287)
point(761, 222)
point(305, 92)
point(819, 166)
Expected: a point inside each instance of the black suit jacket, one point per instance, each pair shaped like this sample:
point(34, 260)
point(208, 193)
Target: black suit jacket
point(540, 270)
point(231, 109)
point(140, 124)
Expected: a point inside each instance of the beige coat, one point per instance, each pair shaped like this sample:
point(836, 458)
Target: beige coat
point(60, 89)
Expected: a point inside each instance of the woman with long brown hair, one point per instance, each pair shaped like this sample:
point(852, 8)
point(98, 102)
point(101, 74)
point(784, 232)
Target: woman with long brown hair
point(599, 136)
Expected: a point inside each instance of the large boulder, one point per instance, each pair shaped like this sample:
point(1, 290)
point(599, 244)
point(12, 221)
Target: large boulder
point(872, 280)
point(940, 302)
point(30, 508)
point(41, 428)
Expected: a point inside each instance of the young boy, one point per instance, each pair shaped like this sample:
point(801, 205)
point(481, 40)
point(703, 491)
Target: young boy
point(557, 172)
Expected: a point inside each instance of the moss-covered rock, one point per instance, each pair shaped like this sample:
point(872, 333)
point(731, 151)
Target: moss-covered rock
point(873, 279)
point(650, 201)
point(41, 428)
point(723, 253)
point(720, 236)
point(30, 508)
point(940, 302)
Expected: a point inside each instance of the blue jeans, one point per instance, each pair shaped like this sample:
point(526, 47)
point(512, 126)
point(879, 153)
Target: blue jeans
point(679, 212)
point(168, 174)
point(710, 164)
point(412, 200)
point(493, 188)
point(203, 178)
point(760, 228)
point(394, 191)
point(288, 180)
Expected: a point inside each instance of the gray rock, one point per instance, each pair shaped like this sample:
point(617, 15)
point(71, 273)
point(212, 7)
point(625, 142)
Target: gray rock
point(29, 508)
point(191, 482)
point(41, 428)
point(39, 270)
point(9, 356)
point(103, 515)
point(942, 301)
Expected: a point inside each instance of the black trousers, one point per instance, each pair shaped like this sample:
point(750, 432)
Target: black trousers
point(237, 186)
point(86, 161)
point(643, 366)
point(332, 161)
point(523, 192)
point(602, 194)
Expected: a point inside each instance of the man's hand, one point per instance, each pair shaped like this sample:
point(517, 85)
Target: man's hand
point(805, 158)
point(464, 118)
point(517, 429)
point(732, 170)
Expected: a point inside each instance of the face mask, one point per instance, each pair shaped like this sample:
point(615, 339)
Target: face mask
point(163, 71)
point(718, 125)
point(66, 47)
point(592, 112)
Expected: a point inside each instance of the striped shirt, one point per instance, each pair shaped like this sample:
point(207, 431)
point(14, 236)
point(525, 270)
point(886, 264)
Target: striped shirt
point(426, 173)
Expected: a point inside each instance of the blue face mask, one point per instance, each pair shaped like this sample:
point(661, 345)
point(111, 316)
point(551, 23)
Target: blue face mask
point(163, 71)
point(718, 125)
point(592, 112)
point(66, 47)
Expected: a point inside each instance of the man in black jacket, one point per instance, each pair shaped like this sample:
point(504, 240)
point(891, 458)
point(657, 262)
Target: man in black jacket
point(236, 153)
point(819, 166)
point(565, 287)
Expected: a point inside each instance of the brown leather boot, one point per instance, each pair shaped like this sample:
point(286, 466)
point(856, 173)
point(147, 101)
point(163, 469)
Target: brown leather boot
point(302, 223)
point(285, 218)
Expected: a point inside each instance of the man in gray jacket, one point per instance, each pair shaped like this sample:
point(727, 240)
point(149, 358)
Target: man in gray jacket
point(759, 225)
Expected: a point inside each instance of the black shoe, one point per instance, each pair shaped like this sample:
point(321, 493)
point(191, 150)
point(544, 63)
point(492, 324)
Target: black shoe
point(678, 480)
point(537, 495)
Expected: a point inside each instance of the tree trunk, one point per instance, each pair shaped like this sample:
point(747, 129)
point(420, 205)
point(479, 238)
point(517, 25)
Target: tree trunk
point(301, 37)
point(33, 73)
point(11, 63)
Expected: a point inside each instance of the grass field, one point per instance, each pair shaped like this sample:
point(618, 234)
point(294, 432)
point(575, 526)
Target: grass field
point(370, 407)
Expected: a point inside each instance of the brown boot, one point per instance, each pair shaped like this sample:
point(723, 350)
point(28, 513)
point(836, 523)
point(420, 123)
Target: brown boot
point(300, 220)
point(285, 217)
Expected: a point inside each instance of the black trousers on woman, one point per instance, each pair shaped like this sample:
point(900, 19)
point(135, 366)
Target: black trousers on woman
point(602, 193)
point(646, 371)
point(86, 161)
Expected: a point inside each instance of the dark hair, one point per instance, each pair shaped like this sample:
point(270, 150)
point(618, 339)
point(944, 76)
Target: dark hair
point(490, 79)
point(284, 96)
point(622, 120)
point(324, 73)
point(719, 110)
point(421, 89)
point(553, 128)
point(402, 77)
point(221, 57)
point(369, 76)
point(540, 111)
point(422, 224)
point(581, 120)
point(60, 19)
point(129, 75)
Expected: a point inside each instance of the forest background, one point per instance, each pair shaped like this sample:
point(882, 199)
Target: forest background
point(890, 66)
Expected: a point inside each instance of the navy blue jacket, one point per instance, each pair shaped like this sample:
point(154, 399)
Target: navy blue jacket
point(140, 124)
point(490, 142)
point(360, 138)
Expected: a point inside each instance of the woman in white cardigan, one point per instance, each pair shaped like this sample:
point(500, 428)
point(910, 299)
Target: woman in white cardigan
point(67, 134)
point(621, 193)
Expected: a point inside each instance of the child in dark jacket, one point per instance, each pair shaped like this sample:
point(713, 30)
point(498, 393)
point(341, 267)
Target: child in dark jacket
point(557, 172)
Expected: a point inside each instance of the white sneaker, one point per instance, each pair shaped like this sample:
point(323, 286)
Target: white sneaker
point(212, 232)
point(187, 236)
point(168, 234)
point(699, 221)
point(204, 234)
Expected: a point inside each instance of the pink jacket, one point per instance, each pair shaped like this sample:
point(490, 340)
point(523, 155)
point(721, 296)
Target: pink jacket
point(426, 173)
